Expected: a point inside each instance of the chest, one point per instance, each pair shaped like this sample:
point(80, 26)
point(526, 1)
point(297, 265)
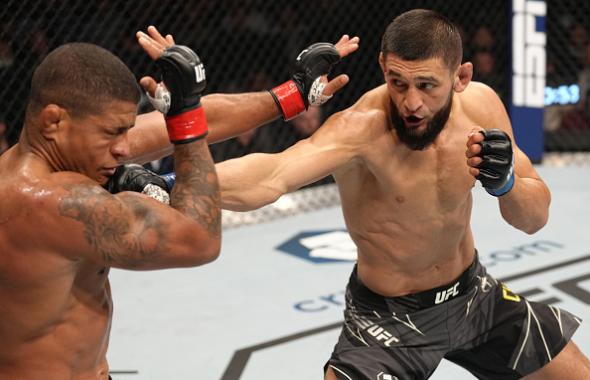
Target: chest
point(436, 179)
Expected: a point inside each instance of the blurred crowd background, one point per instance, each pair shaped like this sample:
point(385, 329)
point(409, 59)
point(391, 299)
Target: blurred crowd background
point(248, 45)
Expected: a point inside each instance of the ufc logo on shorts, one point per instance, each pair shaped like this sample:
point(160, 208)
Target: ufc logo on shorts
point(446, 294)
point(528, 53)
point(200, 73)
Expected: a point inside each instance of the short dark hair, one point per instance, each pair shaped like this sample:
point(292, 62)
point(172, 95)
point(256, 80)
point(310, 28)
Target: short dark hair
point(422, 34)
point(81, 78)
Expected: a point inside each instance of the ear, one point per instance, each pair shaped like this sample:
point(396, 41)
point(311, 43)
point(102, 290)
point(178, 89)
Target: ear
point(463, 77)
point(382, 62)
point(52, 119)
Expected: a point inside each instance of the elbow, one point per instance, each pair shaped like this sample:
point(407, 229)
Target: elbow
point(535, 225)
point(530, 230)
point(203, 252)
point(529, 221)
point(209, 253)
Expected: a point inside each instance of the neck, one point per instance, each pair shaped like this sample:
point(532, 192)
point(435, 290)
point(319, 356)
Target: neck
point(46, 150)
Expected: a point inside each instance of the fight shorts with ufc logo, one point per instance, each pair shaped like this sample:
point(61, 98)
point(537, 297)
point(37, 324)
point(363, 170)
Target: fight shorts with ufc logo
point(475, 322)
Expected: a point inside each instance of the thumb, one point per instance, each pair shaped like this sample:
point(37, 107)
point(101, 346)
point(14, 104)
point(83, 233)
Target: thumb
point(149, 85)
point(336, 84)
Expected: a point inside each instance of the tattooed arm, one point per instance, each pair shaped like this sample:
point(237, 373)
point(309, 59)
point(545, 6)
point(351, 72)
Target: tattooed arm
point(133, 231)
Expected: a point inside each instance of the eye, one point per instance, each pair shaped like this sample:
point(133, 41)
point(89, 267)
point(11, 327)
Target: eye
point(426, 86)
point(117, 132)
point(397, 83)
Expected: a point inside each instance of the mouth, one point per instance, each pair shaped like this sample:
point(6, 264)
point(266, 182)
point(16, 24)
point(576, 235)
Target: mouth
point(108, 172)
point(413, 121)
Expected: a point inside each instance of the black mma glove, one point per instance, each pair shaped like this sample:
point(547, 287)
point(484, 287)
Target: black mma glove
point(133, 177)
point(305, 87)
point(183, 74)
point(496, 171)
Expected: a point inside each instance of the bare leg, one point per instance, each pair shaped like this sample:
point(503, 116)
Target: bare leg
point(570, 364)
point(331, 374)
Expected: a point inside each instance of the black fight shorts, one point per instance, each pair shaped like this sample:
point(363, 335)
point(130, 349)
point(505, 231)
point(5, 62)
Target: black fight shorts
point(475, 322)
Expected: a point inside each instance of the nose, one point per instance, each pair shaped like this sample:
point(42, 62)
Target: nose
point(120, 149)
point(412, 101)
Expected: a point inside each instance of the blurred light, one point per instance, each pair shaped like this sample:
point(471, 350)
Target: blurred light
point(564, 94)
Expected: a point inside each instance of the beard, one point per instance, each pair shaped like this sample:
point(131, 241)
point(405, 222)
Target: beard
point(414, 139)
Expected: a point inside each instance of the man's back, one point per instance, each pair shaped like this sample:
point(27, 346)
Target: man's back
point(55, 310)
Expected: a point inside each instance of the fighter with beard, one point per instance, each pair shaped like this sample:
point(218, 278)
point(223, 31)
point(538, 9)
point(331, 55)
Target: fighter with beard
point(405, 158)
point(415, 138)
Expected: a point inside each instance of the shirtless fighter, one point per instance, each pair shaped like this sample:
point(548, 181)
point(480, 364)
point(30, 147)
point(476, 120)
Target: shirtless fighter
point(405, 158)
point(61, 231)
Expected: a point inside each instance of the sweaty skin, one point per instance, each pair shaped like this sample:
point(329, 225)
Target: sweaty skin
point(56, 308)
point(60, 232)
point(408, 211)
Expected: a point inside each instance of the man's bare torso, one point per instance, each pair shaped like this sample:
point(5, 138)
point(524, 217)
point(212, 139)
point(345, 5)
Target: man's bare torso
point(409, 211)
point(56, 311)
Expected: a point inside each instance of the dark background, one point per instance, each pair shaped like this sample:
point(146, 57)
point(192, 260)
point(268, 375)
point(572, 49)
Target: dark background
point(247, 45)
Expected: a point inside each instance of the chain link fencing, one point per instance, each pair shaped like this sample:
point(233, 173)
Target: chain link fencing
point(567, 95)
point(248, 45)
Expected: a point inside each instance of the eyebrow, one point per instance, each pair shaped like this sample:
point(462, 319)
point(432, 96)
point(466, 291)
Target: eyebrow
point(123, 128)
point(428, 78)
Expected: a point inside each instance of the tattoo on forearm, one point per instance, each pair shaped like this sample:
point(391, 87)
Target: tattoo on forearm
point(108, 229)
point(196, 192)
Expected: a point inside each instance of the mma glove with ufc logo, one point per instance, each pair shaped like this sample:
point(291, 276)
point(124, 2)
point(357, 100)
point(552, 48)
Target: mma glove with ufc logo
point(496, 171)
point(179, 99)
point(305, 87)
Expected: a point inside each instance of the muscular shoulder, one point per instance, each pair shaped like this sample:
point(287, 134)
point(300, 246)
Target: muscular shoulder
point(41, 211)
point(482, 105)
point(52, 195)
point(363, 121)
point(54, 185)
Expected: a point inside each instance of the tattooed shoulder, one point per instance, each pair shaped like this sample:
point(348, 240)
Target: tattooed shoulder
point(121, 233)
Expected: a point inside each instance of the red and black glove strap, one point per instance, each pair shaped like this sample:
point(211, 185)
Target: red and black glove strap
point(289, 100)
point(187, 126)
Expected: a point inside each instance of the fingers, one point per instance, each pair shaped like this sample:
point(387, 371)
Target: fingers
point(151, 47)
point(473, 150)
point(474, 138)
point(474, 162)
point(347, 45)
point(149, 85)
point(158, 38)
point(153, 42)
point(336, 84)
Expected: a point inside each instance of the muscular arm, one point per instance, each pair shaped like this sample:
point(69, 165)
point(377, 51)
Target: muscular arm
point(526, 206)
point(228, 115)
point(132, 231)
point(255, 180)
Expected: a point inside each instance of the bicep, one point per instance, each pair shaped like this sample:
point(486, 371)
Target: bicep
point(305, 162)
point(256, 180)
point(127, 231)
point(312, 159)
point(522, 164)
